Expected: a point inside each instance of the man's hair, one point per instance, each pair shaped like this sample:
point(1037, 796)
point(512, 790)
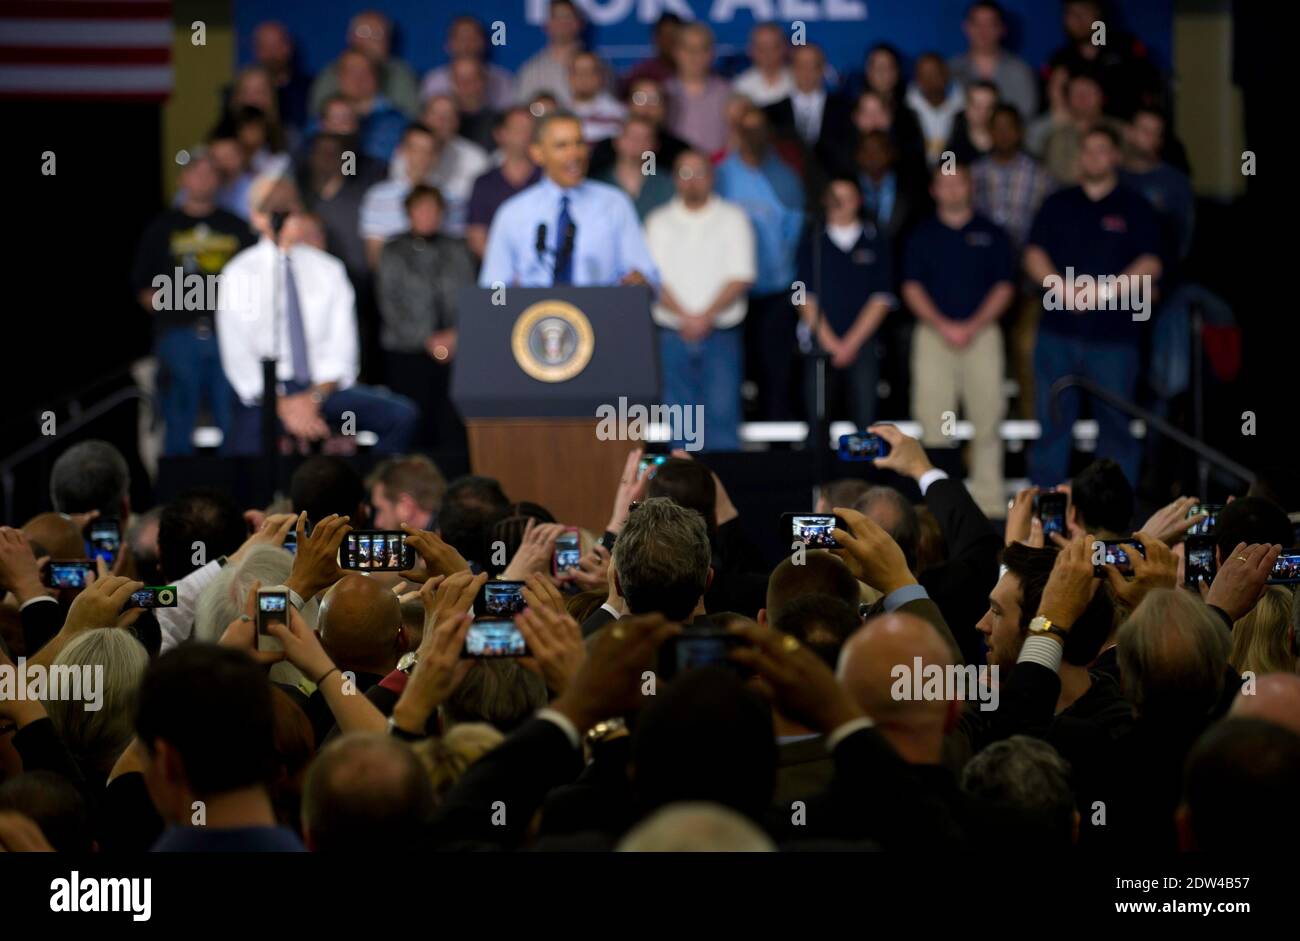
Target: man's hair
point(469, 508)
point(1103, 497)
point(366, 789)
point(416, 127)
point(821, 623)
point(91, 475)
point(1028, 777)
point(97, 737)
point(687, 483)
point(414, 474)
point(323, 485)
point(498, 692)
point(1173, 653)
point(508, 529)
point(846, 491)
point(696, 827)
point(204, 515)
point(1007, 111)
point(1240, 786)
point(552, 117)
point(662, 559)
point(423, 191)
point(820, 574)
point(986, 5)
point(1252, 520)
point(1106, 131)
point(903, 528)
point(213, 706)
point(1032, 567)
point(676, 753)
point(501, 118)
point(51, 802)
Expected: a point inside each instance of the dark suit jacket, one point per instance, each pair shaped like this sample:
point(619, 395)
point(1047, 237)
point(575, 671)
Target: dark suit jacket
point(41, 621)
point(804, 769)
point(831, 153)
point(961, 585)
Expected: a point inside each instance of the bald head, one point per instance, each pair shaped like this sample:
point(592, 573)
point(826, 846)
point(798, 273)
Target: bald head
point(360, 625)
point(915, 727)
point(55, 535)
point(1276, 700)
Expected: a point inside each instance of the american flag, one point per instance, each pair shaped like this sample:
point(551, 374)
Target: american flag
point(106, 49)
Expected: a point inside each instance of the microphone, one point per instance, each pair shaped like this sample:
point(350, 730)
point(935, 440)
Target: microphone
point(541, 239)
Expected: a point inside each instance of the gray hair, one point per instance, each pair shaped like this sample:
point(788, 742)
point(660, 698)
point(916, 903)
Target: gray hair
point(1173, 651)
point(696, 827)
point(91, 475)
point(662, 558)
point(1029, 775)
point(223, 599)
point(900, 521)
point(499, 692)
point(97, 736)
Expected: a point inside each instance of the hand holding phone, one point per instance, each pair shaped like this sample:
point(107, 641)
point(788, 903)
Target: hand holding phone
point(1050, 508)
point(272, 608)
point(568, 552)
point(862, 446)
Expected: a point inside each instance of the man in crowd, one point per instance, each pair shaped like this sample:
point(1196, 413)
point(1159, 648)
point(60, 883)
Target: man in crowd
point(406, 491)
point(296, 306)
point(380, 122)
point(192, 242)
point(767, 80)
point(1165, 187)
point(817, 120)
point(958, 279)
point(1084, 100)
point(512, 133)
point(697, 99)
point(703, 247)
point(383, 212)
point(986, 60)
point(273, 50)
point(370, 34)
point(475, 114)
point(466, 39)
point(548, 69)
point(1095, 229)
point(601, 113)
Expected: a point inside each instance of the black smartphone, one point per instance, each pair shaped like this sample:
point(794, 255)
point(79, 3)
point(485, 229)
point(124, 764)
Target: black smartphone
point(272, 608)
point(499, 599)
point(493, 638)
point(158, 596)
point(815, 530)
point(1117, 554)
point(568, 550)
point(291, 542)
point(862, 446)
point(104, 540)
point(370, 550)
point(1198, 560)
point(68, 573)
point(700, 647)
point(1050, 507)
point(1286, 570)
point(1206, 526)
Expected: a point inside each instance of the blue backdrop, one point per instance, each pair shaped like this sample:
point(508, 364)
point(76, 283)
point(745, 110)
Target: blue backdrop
point(620, 28)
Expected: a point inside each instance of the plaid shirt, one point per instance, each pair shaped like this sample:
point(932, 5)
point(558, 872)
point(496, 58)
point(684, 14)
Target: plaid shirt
point(1010, 194)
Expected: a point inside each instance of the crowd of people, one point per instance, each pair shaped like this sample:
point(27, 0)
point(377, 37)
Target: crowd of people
point(901, 220)
point(927, 682)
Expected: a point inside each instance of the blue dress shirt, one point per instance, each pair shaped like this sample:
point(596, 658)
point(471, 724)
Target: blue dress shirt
point(608, 241)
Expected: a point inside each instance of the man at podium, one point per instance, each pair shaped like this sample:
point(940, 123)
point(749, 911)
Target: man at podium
point(566, 229)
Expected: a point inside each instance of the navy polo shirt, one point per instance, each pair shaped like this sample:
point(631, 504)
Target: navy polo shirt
point(1094, 238)
point(847, 279)
point(958, 267)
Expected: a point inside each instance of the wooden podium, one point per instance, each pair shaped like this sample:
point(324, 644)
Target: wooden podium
point(528, 379)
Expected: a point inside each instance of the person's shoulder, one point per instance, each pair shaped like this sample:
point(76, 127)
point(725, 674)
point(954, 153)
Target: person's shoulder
point(606, 192)
point(729, 212)
point(243, 258)
point(661, 216)
point(982, 223)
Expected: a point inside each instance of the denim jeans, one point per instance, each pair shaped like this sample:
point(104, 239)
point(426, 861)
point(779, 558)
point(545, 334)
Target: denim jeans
point(189, 371)
point(391, 417)
point(706, 373)
point(1113, 366)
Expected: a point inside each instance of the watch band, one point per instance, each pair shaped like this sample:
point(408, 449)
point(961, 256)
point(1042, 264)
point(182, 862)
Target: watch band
point(402, 734)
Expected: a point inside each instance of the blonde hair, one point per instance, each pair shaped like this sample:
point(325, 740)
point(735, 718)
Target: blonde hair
point(1259, 640)
point(447, 758)
point(96, 737)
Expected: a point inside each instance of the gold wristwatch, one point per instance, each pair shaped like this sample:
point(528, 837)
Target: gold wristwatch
point(1041, 625)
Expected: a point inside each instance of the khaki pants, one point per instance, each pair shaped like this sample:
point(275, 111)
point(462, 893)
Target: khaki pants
point(943, 376)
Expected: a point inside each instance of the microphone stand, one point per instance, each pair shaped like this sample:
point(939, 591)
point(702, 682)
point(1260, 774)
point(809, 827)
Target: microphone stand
point(819, 431)
point(270, 416)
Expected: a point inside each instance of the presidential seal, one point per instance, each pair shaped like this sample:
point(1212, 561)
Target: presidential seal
point(553, 341)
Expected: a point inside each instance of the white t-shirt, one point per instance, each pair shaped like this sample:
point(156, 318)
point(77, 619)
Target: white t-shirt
point(754, 86)
point(699, 253)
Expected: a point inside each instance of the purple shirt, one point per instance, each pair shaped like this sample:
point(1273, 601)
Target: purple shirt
point(490, 191)
point(700, 120)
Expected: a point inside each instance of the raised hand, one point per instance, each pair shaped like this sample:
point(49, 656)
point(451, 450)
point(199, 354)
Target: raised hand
point(871, 553)
point(316, 564)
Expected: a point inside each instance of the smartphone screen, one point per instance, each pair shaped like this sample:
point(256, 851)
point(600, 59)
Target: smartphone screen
point(1286, 570)
point(104, 541)
point(862, 446)
point(1118, 552)
point(1199, 564)
point(161, 596)
point(71, 573)
point(648, 461)
point(1206, 526)
point(272, 607)
point(568, 550)
point(494, 638)
point(291, 542)
point(815, 530)
point(1051, 512)
point(381, 550)
point(497, 600)
point(699, 648)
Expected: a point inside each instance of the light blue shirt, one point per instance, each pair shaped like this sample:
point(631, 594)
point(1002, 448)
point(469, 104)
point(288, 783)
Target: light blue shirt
point(608, 242)
point(772, 197)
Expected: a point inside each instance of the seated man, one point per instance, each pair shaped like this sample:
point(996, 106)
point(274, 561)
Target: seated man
point(294, 303)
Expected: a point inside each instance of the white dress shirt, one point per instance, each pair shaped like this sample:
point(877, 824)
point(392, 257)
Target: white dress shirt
point(608, 243)
point(808, 110)
point(244, 325)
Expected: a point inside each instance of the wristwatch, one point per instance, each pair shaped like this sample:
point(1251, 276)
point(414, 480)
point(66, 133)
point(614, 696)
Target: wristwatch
point(1041, 625)
point(397, 732)
point(604, 731)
